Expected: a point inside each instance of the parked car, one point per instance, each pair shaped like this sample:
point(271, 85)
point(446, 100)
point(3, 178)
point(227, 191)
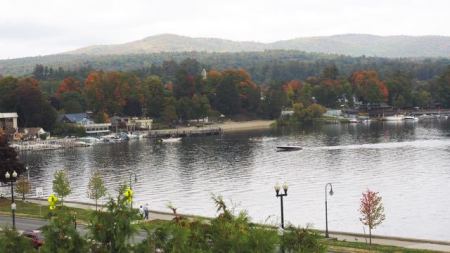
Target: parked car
point(35, 236)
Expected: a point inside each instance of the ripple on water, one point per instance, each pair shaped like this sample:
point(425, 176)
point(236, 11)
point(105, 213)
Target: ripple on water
point(408, 164)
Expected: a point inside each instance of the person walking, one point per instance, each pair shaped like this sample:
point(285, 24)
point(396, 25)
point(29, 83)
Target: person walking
point(141, 212)
point(146, 211)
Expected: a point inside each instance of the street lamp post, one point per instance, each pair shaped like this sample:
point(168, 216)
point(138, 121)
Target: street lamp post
point(28, 173)
point(326, 206)
point(281, 195)
point(13, 176)
point(131, 188)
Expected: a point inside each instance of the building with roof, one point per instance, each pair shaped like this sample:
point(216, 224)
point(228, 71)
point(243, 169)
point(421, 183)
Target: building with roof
point(8, 122)
point(84, 120)
point(30, 133)
point(76, 118)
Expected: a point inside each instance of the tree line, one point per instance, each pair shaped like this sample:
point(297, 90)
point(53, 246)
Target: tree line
point(175, 92)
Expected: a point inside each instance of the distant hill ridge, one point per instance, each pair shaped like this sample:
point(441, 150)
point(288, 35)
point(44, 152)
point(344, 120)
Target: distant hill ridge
point(398, 46)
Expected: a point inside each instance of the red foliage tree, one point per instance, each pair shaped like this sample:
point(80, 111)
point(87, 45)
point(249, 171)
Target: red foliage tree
point(372, 211)
point(368, 87)
point(69, 84)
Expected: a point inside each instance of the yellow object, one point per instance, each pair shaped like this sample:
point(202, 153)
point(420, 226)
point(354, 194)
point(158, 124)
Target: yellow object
point(52, 199)
point(128, 194)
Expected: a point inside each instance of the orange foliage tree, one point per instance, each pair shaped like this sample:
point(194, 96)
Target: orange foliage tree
point(368, 87)
point(292, 89)
point(109, 92)
point(69, 84)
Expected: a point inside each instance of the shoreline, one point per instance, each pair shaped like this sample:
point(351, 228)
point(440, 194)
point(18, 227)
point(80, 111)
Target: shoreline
point(245, 126)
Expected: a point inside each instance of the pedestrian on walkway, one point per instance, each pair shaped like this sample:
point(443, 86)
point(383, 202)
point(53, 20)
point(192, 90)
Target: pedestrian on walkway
point(146, 211)
point(141, 211)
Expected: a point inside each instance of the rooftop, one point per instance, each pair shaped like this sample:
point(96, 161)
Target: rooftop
point(4, 115)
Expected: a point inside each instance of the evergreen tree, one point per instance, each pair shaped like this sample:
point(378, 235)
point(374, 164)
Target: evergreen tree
point(228, 101)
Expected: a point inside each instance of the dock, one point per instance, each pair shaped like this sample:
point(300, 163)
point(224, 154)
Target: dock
point(184, 132)
point(39, 145)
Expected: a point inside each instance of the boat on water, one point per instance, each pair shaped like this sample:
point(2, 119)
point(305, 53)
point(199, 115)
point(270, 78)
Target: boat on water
point(411, 118)
point(171, 139)
point(426, 117)
point(89, 140)
point(114, 138)
point(135, 135)
point(353, 120)
point(397, 117)
point(288, 148)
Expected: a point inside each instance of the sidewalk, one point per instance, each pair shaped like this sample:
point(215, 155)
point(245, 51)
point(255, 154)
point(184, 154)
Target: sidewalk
point(411, 243)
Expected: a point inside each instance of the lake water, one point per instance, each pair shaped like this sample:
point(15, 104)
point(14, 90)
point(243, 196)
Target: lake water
point(407, 163)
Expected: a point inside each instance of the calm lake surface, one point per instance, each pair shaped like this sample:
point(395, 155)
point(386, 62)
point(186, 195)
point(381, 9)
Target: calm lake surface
point(407, 163)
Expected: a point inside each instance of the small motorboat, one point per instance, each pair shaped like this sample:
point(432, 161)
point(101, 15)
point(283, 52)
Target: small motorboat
point(171, 139)
point(288, 148)
point(353, 120)
point(411, 118)
point(397, 117)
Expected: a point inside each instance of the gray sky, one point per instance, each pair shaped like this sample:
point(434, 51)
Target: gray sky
point(40, 27)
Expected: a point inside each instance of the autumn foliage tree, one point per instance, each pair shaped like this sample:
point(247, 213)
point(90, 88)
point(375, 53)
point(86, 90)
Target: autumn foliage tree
point(69, 84)
point(372, 211)
point(107, 92)
point(368, 87)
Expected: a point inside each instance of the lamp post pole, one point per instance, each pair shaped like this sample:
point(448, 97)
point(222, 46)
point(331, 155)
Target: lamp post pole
point(281, 195)
point(12, 177)
point(326, 207)
point(131, 188)
point(28, 173)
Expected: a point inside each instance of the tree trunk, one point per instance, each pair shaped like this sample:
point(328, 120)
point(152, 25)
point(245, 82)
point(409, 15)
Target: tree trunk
point(96, 205)
point(370, 236)
point(23, 196)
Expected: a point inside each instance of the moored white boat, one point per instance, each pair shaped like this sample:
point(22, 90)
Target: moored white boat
point(353, 120)
point(171, 139)
point(411, 118)
point(397, 117)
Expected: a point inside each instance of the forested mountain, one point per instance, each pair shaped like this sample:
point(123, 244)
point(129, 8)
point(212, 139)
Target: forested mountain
point(304, 56)
point(172, 43)
point(264, 67)
point(347, 44)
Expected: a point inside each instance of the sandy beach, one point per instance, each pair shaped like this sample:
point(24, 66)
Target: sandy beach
point(233, 126)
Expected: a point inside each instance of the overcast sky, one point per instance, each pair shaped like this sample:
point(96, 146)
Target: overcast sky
point(40, 27)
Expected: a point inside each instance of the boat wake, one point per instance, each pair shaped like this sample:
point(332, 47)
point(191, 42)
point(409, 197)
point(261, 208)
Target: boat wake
point(390, 145)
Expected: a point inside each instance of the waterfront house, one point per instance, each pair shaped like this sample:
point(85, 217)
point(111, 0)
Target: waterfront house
point(84, 120)
point(131, 123)
point(8, 123)
point(76, 118)
point(30, 133)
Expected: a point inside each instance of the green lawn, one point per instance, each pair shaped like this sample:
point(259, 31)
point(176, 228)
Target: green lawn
point(26, 209)
point(360, 247)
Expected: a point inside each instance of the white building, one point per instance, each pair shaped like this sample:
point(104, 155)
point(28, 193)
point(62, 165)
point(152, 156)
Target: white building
point(8, 121)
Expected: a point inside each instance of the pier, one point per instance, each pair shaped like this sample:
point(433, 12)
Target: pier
point(47, 144)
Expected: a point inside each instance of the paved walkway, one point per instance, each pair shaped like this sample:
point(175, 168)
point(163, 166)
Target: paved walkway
point(439, 246)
